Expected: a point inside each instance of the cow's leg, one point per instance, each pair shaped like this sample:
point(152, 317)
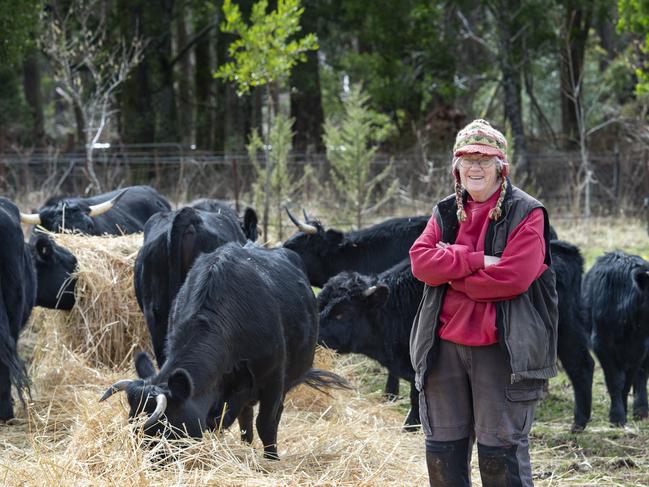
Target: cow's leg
point(245, 424)
point(391, 387)
point(579, 365)
point(640, 403)
point(6, 407)
point(614, 376)
point(270, 412)
point(412, 420)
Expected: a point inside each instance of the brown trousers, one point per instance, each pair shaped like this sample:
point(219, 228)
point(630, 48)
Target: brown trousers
point(468, 394)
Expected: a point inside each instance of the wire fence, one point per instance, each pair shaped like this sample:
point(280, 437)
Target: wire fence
point(618, 183)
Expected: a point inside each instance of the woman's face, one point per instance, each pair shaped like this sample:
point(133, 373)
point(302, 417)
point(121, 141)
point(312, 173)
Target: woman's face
point(479, 175)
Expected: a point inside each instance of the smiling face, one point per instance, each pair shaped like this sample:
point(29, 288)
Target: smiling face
point(479, 175)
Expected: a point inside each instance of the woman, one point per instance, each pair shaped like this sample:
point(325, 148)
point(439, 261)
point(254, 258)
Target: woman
point(483, 342)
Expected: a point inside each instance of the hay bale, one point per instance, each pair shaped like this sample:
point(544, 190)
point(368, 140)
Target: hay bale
point(106, 323)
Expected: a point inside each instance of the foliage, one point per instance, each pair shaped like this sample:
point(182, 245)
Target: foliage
point(352, 144)
point(18, 24)
point(265, 51)
point(634, 17)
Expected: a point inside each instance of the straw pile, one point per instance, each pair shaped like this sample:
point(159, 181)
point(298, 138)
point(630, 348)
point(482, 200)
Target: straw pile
point(106, 324)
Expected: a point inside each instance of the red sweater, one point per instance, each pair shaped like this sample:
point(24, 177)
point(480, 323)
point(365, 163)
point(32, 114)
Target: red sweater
point(468, 314)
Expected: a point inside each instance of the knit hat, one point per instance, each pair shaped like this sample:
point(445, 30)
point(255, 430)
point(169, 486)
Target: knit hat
point(479, 137)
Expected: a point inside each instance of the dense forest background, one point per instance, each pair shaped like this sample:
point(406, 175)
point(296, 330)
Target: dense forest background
point(117, 80)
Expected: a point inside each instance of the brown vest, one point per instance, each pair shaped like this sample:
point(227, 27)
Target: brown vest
point(527, 324)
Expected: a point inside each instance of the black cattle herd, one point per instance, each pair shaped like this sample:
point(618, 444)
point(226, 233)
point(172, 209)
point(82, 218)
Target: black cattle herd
point(234, 324)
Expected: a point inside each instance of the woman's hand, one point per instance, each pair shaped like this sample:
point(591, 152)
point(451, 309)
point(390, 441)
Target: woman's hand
point(490, 260)
point(442, 245)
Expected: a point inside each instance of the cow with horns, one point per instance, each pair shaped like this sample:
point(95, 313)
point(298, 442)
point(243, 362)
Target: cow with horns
point(248, 221)
point(17, 297)
point(116, 213)
point(243, 330)
point(372, 250)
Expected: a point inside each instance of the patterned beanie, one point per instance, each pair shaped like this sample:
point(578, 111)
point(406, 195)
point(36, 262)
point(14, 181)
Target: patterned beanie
point(479, 137)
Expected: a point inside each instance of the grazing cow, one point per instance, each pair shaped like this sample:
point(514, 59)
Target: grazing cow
point(17, 296)
point(616, 303)
point(373, 315)
point(369, 251)
point(116, 213)
point(572, 337)
point(172, 240)
point(243, 330)
point(55, 266)
point(248, 221)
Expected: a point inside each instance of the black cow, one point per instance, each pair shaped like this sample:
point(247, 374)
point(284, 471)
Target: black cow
point(55, 266)
point(573, 341)
point(17, 296)
point(243, 330)
point(248, 221)
point(369, 251)
point(130, 208)
point(616, 303)
point(172, 240)
point(372, 315)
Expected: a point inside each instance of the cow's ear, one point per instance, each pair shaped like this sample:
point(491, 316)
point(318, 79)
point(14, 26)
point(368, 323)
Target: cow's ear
point(378, 295)
point(180, 384)
point(143, 365)
point(44, 248)
point(642, 279)
point(334, 237)
point(250, 224)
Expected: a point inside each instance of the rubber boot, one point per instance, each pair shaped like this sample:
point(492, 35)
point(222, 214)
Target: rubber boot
point(448, 463)
point(504, 466)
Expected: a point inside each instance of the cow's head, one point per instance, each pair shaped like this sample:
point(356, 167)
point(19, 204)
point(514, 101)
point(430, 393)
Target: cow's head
point(71, 214)
point(174, 397)
point(315, 245)
point(347, 304)
point(55, 266)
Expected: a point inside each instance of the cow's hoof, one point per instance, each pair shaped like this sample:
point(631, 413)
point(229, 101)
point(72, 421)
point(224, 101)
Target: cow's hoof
point(640, 414)
point(620, 423)
point(577, 428)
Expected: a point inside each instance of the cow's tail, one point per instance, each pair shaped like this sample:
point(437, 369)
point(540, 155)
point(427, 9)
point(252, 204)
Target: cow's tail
point(323, 379)
point(9, 355)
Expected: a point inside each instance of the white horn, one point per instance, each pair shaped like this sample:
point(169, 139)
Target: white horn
point(369, 291)
point(96, 210)
point(30, 218)
point(161, 401)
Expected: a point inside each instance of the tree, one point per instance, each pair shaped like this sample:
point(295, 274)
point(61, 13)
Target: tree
point(634, 17)
point(352, 143)
point(87, 68)
point(263, 55)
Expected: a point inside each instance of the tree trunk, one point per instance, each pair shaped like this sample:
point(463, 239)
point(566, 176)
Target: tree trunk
point(34, 96)
point(577, 21)
point(205, 84)
point(167, 123)
point(306, 105)
point(137, 111)
point(510, 60)
point(185, 109)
